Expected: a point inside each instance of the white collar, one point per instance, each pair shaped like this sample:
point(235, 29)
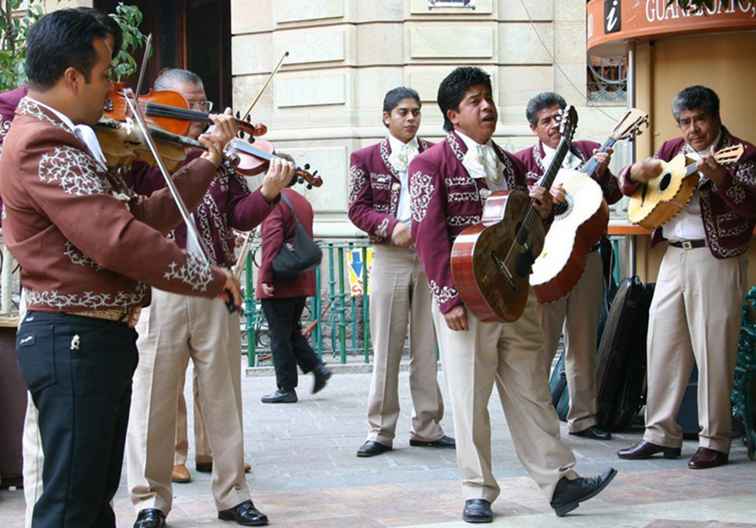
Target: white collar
point(469, 142)
point(63, 117)
point(396, 145)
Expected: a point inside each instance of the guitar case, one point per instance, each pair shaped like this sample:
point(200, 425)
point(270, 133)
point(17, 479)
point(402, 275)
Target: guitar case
point(621, 369)
point(560, 396)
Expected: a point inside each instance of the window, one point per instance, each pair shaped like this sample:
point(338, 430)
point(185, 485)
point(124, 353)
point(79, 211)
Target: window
point(607, 80)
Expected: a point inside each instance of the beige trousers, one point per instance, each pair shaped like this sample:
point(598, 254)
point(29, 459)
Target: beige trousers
point(399, 295)
point(511, 355)
point(201, 449)
point(171, 331)
point(694, 317)
point(577, 315)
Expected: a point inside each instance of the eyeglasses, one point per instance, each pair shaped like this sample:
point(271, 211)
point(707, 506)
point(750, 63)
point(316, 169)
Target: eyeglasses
point(202, 106)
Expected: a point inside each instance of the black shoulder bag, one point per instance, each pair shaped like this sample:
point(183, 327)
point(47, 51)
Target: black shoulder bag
point(298, 255)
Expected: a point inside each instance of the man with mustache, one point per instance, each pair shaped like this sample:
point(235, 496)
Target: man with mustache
point(379, 204)
point(695, 311)
point(578, 312)
point(448, 185)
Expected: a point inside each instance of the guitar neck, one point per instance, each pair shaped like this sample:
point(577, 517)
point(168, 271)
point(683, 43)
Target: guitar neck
point(556, 163)
point(592, 164)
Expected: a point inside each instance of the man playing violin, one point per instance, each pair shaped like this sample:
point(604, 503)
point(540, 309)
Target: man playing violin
point(578, 312)
point(175, 329)
point(379, 204)
point(88, 249)
point(448, 185)
point(694, 316)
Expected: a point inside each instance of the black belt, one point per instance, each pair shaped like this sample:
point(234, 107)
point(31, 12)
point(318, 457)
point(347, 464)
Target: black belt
point(689, 244)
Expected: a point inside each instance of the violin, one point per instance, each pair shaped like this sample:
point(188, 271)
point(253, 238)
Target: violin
point(171, 111)
point(258, 157)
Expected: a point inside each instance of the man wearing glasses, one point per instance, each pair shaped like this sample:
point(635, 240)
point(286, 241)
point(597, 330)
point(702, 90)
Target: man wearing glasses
point(174, 330)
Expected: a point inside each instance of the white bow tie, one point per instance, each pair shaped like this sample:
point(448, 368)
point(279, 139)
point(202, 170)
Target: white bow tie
point(400, 158)
point(481, 162)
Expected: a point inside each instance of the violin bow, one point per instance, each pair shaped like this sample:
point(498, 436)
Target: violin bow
point(191, 228)
point(143, 69)
point(265, 86)
point(239, 266)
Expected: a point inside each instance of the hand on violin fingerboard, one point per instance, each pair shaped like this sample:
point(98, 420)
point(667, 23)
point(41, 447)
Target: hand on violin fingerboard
point(279, 175)
point(224, 129)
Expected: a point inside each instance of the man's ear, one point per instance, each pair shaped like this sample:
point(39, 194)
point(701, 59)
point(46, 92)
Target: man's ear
point(386, 118)
point(451, 115)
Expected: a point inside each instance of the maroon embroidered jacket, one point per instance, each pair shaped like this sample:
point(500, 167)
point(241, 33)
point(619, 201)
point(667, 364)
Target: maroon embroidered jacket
point(374, 189)
point(445, 200)
point(532, 159)
point(83, 238)
point(227, 204)
point(728, 211)
point(8, 103)
point(278, 229)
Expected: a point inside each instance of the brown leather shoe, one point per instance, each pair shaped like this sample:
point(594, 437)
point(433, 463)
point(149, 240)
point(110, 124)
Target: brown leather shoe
point(180, 474)
point(643, 450)
point(706, 458)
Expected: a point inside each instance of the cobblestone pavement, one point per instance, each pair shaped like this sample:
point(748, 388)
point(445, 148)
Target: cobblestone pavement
point(305, 474)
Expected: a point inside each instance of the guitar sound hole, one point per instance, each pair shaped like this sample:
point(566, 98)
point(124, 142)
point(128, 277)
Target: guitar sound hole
point(665, 181)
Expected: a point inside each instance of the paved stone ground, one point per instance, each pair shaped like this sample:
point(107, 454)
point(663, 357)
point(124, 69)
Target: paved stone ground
point(305, 473)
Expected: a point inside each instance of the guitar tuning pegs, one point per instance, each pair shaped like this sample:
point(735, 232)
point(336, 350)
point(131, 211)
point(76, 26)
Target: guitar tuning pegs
point(307, 166)
point(315, 173)
point(309, 186)
point(238, 114)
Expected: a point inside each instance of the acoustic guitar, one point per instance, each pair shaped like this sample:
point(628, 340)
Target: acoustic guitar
point(583, 222)
point(491, 261)
point(655, 203)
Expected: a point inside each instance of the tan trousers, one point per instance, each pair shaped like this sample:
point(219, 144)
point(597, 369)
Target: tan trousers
point(694, 317)
point(201, 449)
point(171, 331)
point(510, 354)
point(577, 314)
point(399, 295)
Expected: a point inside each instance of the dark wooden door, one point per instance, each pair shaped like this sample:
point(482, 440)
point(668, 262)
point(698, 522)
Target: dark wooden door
point(190, 34)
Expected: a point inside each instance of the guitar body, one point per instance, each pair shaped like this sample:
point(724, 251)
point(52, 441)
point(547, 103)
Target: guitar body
point(490, 265)
point(659, 200)
point(571, 236)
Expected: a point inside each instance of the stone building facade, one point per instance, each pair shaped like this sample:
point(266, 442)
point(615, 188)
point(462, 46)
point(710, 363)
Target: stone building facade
point(345, 54)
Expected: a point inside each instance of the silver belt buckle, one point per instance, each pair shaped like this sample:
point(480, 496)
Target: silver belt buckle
point(687, 244)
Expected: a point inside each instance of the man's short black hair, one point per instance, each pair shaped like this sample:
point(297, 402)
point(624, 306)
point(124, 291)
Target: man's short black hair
point(540, 102)
point(63, 39)
point(696, 98)
point(452, 89)
point(396, 95)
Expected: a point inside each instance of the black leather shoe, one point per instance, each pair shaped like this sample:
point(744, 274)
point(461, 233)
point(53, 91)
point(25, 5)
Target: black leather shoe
point(322, 375)
point(594, 433)
point(570, 493)
point(280, 396)
point(443, 442)
point(477, 511)
point(245, 514)
point(371, 448)
point(644, 450)
point(150, 518)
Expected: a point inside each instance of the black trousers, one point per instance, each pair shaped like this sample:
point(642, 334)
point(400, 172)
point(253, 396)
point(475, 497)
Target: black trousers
point(290, 347)
point(79, 372)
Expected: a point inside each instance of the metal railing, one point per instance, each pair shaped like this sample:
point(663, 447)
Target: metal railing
point(337, 318)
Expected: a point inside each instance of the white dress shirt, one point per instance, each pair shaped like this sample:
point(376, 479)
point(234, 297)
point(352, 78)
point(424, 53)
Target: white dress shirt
point(401, 156)
point(688, 224)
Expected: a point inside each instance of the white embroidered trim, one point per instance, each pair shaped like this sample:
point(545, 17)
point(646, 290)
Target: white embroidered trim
point(89, 299)
point(28, 107)
point(711, 229)
point(464, 196)
point(385, 150)
point(381, 231)
point(459, 221)
point(740, 227)
point(736, 193)
point(455, 146)
point(192, 272)
point(746, 173)
point(74, 171)
point(4, 128)
point(357, 183)
point(442, 294)
point(421, 190)
point(75, 255)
